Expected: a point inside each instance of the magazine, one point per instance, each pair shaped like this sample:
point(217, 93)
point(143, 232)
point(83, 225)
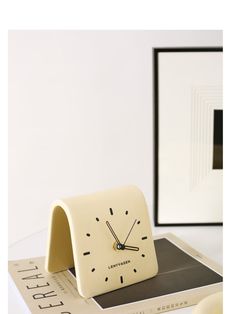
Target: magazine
point(185, 277)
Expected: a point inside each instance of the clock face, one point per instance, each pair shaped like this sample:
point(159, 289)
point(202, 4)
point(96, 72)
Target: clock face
point(117, 249)
point(106, 236)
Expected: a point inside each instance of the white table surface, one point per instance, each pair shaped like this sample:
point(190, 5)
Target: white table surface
point(207, 240)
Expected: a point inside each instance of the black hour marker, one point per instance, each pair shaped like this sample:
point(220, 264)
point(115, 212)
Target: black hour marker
point(106, 279)
point(135, 270)
point(121, 279)
point(143, 255)
point(97, 219)
point(138, 222)
point(126, 212)
point(111, 211)
point(144, 238)
point(86, 253)
point(93, 269)
point(88, 234)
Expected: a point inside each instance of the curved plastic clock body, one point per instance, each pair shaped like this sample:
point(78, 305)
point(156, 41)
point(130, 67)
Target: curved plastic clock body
point(106, 236)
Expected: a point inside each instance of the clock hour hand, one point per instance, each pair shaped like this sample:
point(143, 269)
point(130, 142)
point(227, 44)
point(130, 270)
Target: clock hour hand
point(113, 233)
point(131, 248)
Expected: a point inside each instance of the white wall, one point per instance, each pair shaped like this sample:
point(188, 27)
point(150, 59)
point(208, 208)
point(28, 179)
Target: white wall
point(80, 115)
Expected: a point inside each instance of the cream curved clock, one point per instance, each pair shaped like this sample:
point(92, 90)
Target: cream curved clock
point(106, 236)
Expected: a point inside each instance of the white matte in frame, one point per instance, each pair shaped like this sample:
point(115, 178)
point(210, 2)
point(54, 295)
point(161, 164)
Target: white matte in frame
point(190, 89)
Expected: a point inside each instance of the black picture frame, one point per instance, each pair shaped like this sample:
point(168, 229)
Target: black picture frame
point(156, 52)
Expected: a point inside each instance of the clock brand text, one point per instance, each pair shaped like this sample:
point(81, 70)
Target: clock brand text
point(119, 264)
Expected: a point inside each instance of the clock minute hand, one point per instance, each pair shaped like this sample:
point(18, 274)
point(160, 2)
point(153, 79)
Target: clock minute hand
point(113, 233)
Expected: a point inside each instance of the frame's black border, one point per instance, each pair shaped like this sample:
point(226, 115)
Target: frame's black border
point(156, 51)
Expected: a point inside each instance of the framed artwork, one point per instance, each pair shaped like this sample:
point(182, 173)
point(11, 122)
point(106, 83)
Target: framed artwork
point(188, 136)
